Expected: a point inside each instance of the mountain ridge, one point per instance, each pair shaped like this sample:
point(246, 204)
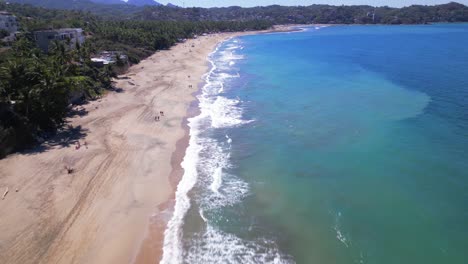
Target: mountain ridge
point(143, 3)
point(85, 4)
point(275, 14)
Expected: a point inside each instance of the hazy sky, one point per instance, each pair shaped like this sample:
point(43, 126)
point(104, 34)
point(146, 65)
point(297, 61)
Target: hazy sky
point(396, 3)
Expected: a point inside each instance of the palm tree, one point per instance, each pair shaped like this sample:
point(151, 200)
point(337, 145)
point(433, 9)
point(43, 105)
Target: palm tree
point(16, 80)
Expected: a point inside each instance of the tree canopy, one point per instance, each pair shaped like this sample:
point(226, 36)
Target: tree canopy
point(36, 88)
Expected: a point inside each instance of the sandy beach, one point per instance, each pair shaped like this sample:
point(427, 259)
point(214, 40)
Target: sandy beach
point(111, 208)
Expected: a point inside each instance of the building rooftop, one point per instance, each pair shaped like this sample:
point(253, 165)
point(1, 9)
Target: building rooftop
point(5, 13)
point(61, 30)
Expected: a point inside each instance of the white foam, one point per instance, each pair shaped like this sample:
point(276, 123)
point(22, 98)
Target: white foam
point(217, 187)
point(214, 87)
point(231, 192)
point(226, 112)
point(206, 165)
point(215, 246)
point(217, 180)
point(229, 140)
point(229, 54)
point(223, 76)
point(339, 234)
point(213, 160)
point(219, 112)
point(172, 235)
point(341, 237)
point(172, 249)
point(233, 47)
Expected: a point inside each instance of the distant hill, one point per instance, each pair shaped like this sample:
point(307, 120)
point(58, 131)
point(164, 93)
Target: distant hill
point(66, 4)
point(88, 5)
point(171, 5)
point(314, 14)
point(108, 2)
point(274, 14)
point(143, 3)
point(103, 8)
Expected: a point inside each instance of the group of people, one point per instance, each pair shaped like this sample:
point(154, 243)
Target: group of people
point(68, 168)
point(156, 118)
point(190, 86)
point(78, 145)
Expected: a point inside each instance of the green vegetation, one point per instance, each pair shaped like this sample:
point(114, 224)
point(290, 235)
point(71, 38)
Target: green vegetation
point(315, 14)
point(3, 33)
point(141, 38)
point(36, 89)
point(137, 38)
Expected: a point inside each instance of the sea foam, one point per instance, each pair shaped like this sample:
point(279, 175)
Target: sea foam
point(172, 248)
point(206, 166)
point(215, 246)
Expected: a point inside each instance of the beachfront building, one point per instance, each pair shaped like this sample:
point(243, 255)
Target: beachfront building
point(109, 57)
point(68, 36)
point(8, 22)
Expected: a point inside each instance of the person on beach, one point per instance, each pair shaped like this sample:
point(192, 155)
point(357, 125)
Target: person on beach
point(161, 113)
point(78, 145)
point(69, 169)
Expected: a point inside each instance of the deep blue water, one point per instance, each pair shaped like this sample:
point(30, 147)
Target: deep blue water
point(344, 144)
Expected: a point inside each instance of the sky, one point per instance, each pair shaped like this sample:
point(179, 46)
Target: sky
point(249, 3)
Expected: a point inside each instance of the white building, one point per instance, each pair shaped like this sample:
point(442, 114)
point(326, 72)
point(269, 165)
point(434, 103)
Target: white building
point(69, 36)
point(8, 22)
point(109, 57)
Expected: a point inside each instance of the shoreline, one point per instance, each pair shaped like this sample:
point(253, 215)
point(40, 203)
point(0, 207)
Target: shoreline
point(151, 248)
point(114, 207)
point(194, 110)
point(157, 227)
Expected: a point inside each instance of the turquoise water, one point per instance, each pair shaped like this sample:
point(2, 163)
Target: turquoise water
point(344, 144)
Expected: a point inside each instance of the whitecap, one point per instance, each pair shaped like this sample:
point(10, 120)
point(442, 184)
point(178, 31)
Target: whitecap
point(339, 234)
point(172, 248)
point(216, 246)
point(206, 160)
point(226, 112)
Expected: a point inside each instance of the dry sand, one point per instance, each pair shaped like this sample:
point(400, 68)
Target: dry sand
point(101, 213)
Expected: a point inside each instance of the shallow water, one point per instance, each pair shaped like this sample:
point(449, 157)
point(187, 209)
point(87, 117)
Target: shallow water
point(343, 144)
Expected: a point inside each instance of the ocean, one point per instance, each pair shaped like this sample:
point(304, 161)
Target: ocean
point(340, 144)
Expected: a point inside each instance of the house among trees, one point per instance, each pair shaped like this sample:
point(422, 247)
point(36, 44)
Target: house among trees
point(69, 36)
point(110, 57)
point(8, 26)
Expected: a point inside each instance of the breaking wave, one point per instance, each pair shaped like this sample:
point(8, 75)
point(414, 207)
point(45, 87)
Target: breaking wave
point(206, 164)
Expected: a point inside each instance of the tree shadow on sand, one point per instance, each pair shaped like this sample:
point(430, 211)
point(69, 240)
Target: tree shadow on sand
point(116, 89)
point(64, 137)
point(78, 112)
point(67, 135)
